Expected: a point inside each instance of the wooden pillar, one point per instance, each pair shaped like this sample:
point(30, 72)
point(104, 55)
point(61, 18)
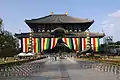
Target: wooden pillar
point(30, 42)
point(88, 38)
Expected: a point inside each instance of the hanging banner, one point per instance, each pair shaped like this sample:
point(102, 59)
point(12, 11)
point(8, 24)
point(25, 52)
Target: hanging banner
point(73, 43)
point(39, 44)
point(84, 43)
point(36, 45)
point(46, 44)
point(25, 44)
point(95, 44)
point(77, 44)
point(53, 42)
point(67, 42)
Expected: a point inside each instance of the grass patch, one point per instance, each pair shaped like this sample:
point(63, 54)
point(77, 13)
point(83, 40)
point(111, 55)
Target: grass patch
point(111, 60)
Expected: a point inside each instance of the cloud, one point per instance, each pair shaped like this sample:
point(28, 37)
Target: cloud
point(115, 14)
point(111, 25)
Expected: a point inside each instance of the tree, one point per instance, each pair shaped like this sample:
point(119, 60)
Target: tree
point(1, 33)
point(1, 23)
point(117, 43)
point(7, 43)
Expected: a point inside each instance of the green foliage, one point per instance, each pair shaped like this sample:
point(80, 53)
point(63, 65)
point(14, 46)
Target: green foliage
point(7, 40)
point(7, 43)
point(117, 43)
point(1, 22)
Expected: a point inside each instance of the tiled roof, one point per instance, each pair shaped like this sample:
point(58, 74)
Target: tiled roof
point(59, 18)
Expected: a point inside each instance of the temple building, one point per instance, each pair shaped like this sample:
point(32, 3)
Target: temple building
point(48, 33)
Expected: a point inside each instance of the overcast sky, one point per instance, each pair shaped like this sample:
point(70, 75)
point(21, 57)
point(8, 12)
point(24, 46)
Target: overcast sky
point(106, 13)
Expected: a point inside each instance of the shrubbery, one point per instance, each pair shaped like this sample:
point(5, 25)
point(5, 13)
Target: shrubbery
point(91, 56)
point(9, 52)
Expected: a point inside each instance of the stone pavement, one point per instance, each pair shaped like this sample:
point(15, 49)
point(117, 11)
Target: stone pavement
point(66, 69)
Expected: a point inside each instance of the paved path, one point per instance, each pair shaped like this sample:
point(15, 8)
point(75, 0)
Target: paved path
point(67, 70)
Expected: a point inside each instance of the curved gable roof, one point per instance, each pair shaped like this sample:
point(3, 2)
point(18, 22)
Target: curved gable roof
point(59, 18)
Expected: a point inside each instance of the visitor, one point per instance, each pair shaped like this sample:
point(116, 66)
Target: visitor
point(55, 58)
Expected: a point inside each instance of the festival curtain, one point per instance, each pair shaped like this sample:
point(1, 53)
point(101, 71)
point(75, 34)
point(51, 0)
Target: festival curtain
point(53, 42)
point(25, 44)
point(79, 44)
point(73, 43)
point(36, 45)
point(68, 42)
point(95, 43)
point(84, 43)
point(45, 43)
point(39, 44)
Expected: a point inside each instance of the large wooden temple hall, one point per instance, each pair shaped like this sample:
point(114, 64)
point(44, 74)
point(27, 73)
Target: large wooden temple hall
point(48, 33)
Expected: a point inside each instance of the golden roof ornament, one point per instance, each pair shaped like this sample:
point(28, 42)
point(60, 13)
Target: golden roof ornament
point(66, 13)
point(51, 13)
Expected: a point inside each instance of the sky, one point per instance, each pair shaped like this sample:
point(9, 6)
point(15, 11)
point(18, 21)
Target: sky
point(105, 13)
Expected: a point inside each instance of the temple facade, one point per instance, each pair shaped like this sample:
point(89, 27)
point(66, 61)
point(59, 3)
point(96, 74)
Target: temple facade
point(55, 30)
